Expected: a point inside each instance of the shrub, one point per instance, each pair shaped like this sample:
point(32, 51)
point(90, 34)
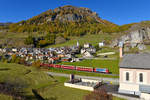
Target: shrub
point(98, 95)
point(36, 64)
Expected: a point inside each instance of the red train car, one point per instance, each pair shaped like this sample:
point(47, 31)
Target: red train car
point(41, 64)
point(51, 65)
point(57, 66)
point(84, 69)
point(68, 67)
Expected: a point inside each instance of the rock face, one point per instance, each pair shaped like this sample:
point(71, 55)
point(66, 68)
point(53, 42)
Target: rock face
point(134, 37)
point(71, 13)
point(67, 14)
point(59, 40)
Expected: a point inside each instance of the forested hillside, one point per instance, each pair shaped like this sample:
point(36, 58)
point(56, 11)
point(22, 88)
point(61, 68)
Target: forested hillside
point(63, 22)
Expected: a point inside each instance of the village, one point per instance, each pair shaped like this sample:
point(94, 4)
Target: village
point(51, 55)
point(134, 70)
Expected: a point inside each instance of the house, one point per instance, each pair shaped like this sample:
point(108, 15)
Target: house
point(14, 49)
point(91, 50)
point(101, 44)
point(135, 75)
point(60, 55)
point(87, 45)
point(87, 54)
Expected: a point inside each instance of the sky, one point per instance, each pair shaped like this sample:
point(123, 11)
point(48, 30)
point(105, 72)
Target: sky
point(117, 11)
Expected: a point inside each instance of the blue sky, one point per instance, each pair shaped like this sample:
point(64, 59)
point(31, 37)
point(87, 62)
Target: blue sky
point(117, 11)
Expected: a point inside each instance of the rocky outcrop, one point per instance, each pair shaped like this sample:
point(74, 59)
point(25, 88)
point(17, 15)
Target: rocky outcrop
point(69, 17)
point(71, 13)
point(68, 14)
point(134, 37)
point(59, 40)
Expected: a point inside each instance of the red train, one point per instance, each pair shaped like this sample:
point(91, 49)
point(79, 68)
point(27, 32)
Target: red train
point(78, 68)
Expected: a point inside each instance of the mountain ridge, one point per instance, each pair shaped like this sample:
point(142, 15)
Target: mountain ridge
point(69, 21)
point(63, 17)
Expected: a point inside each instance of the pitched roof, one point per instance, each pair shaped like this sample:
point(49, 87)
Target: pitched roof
point(138, 61)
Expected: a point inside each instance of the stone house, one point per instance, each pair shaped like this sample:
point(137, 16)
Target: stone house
point(135, 75)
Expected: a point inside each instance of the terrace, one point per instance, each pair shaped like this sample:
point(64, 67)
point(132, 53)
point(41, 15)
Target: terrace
point(84, 84)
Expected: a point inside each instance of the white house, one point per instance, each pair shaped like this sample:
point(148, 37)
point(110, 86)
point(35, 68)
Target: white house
point(135, 75)
point(87, 54)
point(87, 45)
point(101, 44)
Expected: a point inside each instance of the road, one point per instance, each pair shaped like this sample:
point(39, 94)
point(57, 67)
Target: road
point(112, 80)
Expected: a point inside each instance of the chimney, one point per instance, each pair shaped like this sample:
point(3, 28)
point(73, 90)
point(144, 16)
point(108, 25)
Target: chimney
point(121, 49)
point(121, 52)
point(78, 44)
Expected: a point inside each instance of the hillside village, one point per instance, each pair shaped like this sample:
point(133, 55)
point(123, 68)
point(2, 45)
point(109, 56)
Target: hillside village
point(69, 52)
point(47, 56)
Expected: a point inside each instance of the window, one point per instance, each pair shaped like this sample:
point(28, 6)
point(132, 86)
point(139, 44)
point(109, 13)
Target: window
point(141, 77)
point(127, 76)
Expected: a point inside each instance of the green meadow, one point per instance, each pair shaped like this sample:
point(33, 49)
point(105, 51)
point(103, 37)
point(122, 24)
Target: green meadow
point(50, 88)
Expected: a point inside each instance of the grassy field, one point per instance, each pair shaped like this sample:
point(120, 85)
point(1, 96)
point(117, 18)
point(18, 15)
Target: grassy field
point(93, 39)
point(48, 87)
point(14, 39)
point(112, 65)
point(5, 97)
point(39, 80)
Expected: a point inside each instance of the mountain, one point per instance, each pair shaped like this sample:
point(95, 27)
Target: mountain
point(65, 20)
point(68, 21)
point(5, 24)
point(67, 14)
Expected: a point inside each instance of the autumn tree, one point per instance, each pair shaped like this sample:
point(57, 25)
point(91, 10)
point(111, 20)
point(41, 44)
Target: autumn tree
point(29, 40)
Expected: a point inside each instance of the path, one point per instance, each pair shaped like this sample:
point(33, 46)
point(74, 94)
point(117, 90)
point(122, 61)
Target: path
point(112, 80)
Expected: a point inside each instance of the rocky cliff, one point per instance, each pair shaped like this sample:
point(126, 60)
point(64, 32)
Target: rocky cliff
point(137, 36)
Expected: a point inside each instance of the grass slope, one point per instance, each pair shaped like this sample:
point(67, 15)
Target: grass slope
point(93, 39)
point(5, 97)
point(49, 88)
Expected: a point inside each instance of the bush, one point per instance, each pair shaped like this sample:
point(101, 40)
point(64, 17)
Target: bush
point(14, 87)
point(36, 64)
point(29, 40)
point(98, 95)
point(42, 43)
point(15, 59)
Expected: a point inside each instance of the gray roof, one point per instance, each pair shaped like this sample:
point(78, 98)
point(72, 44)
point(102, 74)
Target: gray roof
point(138, 61)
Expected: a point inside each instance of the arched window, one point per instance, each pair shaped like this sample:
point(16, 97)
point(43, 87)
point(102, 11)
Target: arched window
point(141, 77)
point(127, 76)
